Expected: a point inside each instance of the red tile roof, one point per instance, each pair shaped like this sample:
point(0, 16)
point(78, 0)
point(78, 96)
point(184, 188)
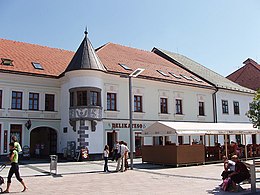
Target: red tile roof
point(54, 61)
point(248, 75)
point(113, 54)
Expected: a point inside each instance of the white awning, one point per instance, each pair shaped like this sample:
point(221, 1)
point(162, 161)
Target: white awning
point(193, 128)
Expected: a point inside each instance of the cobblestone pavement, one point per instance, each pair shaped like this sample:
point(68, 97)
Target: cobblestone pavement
point(88, 178)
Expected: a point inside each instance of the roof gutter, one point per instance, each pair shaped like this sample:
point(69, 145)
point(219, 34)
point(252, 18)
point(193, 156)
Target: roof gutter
point(215, 111)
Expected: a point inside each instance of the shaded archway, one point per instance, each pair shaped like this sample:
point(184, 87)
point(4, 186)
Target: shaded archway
point(43, 141)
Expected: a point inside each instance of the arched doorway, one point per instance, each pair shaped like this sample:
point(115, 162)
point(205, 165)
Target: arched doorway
point(43, 141)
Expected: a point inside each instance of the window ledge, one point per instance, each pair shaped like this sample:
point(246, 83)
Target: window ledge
point(201, 116)
point(139, 112)
point(13, 109)
point(43, 111)
point(164, 114)
point(181, 115)
point(113, 111)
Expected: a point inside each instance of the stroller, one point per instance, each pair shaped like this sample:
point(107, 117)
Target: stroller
point(1, 178)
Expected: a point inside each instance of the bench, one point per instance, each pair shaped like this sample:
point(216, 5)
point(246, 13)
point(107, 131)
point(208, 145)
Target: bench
point(253, 170)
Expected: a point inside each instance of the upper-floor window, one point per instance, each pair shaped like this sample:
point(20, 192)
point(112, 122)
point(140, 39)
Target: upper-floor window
point(94, 98)
point(82, 98)
point(236, 107)
point(224, 106)
point(178, 106)
point(1, 94)
point(201, 109)
point(72, 99)
point(85, 96)
point(138, 103)
point(49, 102)
point(164, 105)
point(111, 101)
point(17, 98)
point(33, 101)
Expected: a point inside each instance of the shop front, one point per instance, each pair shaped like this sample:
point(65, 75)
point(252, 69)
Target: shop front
point(177, 143)
point(120, 131)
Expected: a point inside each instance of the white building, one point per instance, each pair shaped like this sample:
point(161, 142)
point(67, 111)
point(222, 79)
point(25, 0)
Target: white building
point(230, 100)
point(81, 97)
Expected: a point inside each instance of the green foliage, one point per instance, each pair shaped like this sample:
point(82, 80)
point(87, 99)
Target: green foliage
point(254, 112)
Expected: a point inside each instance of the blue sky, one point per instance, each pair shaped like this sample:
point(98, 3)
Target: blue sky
point(219, 34)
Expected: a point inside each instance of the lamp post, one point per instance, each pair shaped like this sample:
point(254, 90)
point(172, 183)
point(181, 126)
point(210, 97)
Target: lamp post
point(134, 74)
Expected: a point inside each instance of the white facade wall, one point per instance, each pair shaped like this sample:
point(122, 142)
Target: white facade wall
point(151, 91)
point(74, 79)
point(40, 118)
point(244, 99)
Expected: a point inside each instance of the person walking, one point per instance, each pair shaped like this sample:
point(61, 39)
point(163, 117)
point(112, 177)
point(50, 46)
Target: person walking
point(13, 156)
point(115, 150)
point(106, 154)
point(17, 146)
point(121, 157)
point(121, 160)
point(125, 155)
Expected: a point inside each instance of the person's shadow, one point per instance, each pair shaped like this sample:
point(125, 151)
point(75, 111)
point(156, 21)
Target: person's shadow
point(218, 191)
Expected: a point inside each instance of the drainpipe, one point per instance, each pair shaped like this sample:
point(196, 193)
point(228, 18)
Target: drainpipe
point(214, 99)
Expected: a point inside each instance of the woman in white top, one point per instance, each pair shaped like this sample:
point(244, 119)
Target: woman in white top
point(106, 154)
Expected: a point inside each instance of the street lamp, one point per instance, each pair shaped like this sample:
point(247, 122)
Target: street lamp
point(134, 74)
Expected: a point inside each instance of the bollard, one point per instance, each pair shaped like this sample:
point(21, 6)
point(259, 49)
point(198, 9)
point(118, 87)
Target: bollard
point(53, 163)
point(253, 177)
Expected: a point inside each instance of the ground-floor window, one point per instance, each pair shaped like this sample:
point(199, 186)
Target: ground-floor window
point(0, 138)
point(254, 139)
point(138, 144)
point(16, 130)
point(111, 140)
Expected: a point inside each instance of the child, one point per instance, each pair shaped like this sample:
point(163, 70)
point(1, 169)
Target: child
point(228, 168)
point(106, 154)
point(13, 156)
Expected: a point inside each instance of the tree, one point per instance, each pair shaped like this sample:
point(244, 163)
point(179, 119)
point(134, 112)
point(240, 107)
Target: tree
point(254, 112)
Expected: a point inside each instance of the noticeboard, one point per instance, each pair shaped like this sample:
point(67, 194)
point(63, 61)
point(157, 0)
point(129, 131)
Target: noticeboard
point(26, 152)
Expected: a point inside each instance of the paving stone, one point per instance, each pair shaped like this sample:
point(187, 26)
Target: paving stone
point(88, 178)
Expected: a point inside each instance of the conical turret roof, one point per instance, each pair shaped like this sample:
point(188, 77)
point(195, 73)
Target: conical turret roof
point(85, 58)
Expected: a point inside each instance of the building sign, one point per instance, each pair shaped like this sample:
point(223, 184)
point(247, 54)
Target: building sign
point(127, 125)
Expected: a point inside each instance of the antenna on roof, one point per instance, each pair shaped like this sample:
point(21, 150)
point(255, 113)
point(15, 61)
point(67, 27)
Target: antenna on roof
point(86, 30)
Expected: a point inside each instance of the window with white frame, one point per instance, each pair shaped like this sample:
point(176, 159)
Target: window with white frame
point(164, 105)
point(111, 101)
point(1, 99)
point(236, 107)
point(178, 106)
point(201, 108)
point(138, 103)
point(224, 106)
